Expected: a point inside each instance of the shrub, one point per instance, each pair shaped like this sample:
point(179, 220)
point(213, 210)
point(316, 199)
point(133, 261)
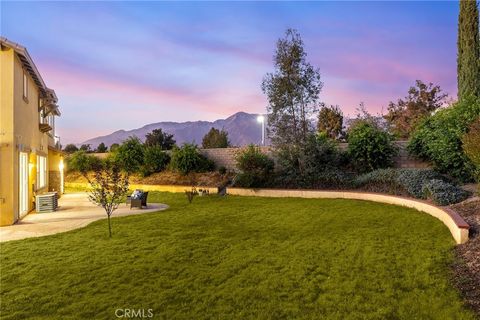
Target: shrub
point(156, 160)
point(438, 139)
point(315, 164)
point(370, 147)
point(331, 178)
point(222, 170)
point(256, 167)
point(381, 180)
point(130, 155)
point(82, 162)
point(471, 147)
point(412, 182)
point(187, 159)
point(114, 147)
point(443, 193)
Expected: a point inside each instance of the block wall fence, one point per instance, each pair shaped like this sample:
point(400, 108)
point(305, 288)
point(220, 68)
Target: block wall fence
point(225, 157)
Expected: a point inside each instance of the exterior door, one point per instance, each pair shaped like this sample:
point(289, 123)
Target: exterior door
point(23, 185)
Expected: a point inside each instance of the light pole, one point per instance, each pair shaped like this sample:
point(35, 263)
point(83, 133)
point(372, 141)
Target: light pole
point(261, 119)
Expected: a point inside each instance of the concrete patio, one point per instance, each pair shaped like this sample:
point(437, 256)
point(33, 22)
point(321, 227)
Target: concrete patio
point(75, 211)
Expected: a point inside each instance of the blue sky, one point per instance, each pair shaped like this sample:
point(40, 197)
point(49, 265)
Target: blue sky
point(121, 65)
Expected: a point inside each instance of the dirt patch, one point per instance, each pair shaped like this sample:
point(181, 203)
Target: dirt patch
point(467, 265)
point(207, 179)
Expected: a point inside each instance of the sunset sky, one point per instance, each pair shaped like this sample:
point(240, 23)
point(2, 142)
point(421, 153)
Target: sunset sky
point(123, 65)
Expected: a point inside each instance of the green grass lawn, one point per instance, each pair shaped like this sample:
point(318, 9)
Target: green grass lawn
point(239, 258)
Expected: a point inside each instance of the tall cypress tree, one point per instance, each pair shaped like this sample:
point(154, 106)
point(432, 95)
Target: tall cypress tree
point(468, 59)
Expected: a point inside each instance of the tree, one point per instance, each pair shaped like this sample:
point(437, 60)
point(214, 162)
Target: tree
point(70, 148)
point(422, 100)
point(114, 147)
point(130, 155)
point(216, 139)
point(159, 138)
point(108, 189)
point(101, 148)
point(292, 91)
point(468, 57)
point(330, 121)
point(85, 147)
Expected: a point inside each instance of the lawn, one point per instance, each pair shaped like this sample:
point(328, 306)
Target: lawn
point(239, 258)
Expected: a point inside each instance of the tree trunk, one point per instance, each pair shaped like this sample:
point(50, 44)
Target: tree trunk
point(109, 226)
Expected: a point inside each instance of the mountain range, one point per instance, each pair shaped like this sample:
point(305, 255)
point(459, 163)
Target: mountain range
point(242, 129)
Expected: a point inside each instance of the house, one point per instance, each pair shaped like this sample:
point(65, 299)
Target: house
point(31, 161)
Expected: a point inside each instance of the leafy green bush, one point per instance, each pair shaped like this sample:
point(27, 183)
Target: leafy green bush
point(439, 138)
point(443, 193)
point(412, 182)
point(82, 162)
point(315, 164)
point(156, 160)
point(370, 147)
point(130, 155)
point(187, 159)
point(255, 166)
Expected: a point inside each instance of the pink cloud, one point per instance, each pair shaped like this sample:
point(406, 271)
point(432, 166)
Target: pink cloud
point(73, 81)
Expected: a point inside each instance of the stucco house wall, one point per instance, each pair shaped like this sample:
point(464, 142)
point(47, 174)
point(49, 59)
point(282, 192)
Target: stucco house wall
point(19, 132)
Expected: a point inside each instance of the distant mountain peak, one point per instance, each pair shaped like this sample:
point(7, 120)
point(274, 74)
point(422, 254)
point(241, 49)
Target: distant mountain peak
point(242, 129)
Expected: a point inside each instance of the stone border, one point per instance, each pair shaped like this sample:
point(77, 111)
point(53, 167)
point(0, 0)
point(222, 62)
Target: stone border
point(457, 226)
point(150, 187)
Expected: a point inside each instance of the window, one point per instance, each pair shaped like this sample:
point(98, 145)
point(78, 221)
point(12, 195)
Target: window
point(42, 111)
point(41, 172)
point(51, 122)
point(25, 86)
point(42, 116)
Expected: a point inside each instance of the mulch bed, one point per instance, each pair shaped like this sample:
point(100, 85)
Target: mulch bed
point(467, 268)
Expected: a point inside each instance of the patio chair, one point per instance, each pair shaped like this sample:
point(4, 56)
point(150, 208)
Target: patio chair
point(129, 198)
point(139, 203)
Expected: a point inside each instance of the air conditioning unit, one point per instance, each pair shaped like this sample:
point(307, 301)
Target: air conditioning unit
point(47, 202)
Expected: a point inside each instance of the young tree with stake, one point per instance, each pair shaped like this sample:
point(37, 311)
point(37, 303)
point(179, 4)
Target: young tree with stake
point(108, 188)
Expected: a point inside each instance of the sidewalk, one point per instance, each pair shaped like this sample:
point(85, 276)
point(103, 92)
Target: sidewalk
point(75, 211)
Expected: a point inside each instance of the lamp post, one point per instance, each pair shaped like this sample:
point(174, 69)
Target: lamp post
point(261, 119)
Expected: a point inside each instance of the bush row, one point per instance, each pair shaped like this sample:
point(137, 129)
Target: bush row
point(134, 157)
point(417, 183)
point(324, 167)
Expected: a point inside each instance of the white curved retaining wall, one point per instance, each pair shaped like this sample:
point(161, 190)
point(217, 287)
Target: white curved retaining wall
point(457, 226)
